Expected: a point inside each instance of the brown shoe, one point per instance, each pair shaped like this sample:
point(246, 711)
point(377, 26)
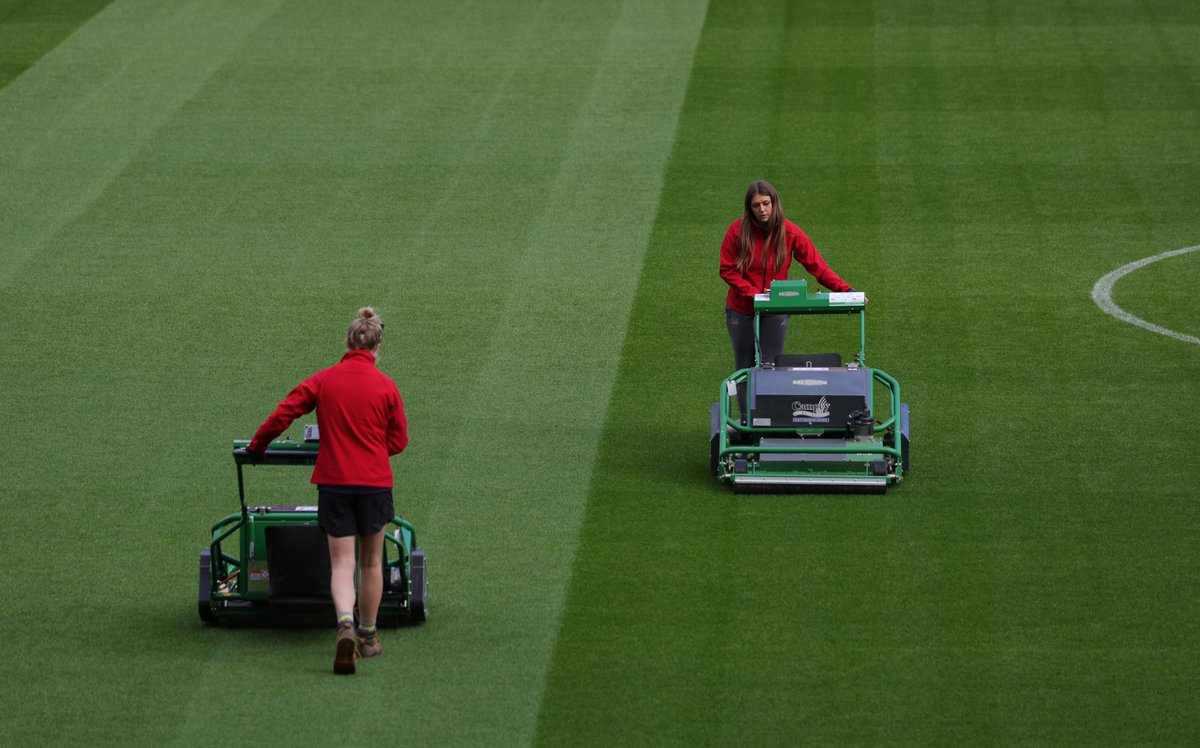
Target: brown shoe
point(370, 646)
point(347, 650)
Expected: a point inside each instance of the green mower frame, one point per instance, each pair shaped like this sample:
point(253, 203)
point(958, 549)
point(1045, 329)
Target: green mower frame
point(811, 424)
point(265, 563)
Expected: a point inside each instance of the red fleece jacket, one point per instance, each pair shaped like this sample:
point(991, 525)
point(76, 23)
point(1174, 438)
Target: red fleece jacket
point(761, 271)
point(361, 417)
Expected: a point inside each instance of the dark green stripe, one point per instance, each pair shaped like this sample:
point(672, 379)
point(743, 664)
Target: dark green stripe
point(665, 574)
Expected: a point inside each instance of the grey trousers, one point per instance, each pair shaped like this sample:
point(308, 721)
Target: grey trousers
point(772, 329)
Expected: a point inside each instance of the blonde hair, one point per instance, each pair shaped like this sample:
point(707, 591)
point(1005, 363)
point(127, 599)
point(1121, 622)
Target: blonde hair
point(366, 331)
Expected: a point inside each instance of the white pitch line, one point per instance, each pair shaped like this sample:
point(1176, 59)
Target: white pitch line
point(1102, 295)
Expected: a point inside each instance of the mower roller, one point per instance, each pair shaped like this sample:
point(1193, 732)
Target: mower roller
point(269, 564)
point(811, 424)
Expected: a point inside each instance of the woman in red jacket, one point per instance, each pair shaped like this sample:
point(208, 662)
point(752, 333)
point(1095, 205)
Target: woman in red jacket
point(759, 248)
point(360, 415)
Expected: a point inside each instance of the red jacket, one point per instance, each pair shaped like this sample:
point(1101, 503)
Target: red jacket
point(361, 418)
point(761, 271)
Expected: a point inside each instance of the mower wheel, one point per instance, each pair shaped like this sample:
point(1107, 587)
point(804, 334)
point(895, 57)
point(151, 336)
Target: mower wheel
point(419, 604)
point(204, 602)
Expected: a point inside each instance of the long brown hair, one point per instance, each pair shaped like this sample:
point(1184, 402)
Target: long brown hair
point(774, 228)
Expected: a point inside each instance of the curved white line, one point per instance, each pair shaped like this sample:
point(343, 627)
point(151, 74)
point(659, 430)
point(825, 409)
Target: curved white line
point(1102, 295)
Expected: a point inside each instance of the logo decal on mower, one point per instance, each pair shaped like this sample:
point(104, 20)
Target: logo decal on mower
point(819, 409)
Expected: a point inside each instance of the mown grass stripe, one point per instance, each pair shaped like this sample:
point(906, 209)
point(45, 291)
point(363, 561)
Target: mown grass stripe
point(673, 575)
point(515, 481)
point(117, 81)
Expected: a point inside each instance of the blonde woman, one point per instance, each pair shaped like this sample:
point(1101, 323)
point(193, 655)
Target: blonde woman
point(360, 415)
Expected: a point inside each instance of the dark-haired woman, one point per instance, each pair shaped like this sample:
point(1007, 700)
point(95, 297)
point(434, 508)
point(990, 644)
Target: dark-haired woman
point(759, 247)
point(361, 419)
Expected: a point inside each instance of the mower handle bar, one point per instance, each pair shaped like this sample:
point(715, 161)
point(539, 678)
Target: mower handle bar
point(277, 453)
point(792, 297)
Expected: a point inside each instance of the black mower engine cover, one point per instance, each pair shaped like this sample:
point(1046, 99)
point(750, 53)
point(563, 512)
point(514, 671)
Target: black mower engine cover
point(807, 397)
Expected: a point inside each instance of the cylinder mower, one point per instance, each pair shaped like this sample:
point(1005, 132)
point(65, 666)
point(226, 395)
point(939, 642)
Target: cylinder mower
point(810, 423)
point(269, 563)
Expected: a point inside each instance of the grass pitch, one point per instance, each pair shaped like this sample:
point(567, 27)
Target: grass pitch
point(194, 197)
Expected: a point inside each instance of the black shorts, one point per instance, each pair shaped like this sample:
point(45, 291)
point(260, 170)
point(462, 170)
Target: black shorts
point(343, 514)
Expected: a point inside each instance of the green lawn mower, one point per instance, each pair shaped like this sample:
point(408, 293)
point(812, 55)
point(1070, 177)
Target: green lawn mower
point(269, 563)
point(810, 424)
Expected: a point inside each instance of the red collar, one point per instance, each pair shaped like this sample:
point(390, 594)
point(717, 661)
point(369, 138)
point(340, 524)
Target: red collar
point(359, 353)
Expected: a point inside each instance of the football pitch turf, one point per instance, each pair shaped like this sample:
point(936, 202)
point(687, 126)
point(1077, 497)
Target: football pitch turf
point(196, 196)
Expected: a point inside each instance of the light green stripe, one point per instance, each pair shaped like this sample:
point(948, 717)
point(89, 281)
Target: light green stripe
point(76, 119)
point(516, 481)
